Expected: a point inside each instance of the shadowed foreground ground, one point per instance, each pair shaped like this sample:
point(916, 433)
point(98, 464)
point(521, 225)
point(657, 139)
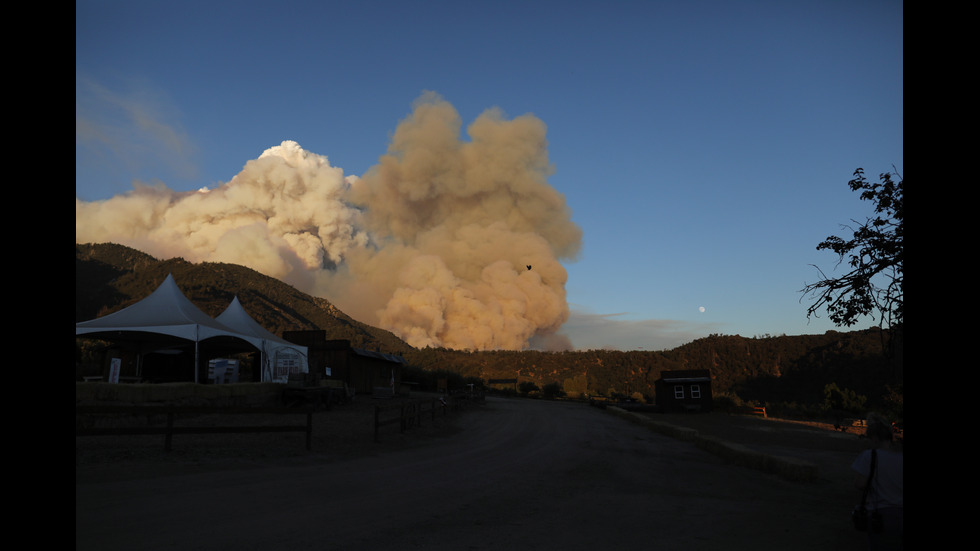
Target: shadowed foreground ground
point(510, 474)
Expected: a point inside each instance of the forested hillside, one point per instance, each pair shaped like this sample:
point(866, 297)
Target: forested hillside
point(791, 369)
point(769, 369)
point(110, 277)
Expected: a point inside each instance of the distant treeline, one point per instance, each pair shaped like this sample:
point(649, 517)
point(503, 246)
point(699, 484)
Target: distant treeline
point(763, 370)
point(770, 369)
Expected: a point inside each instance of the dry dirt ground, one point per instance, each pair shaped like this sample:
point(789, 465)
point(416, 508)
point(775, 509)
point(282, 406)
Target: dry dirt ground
point(504, 474)
point(343, 432)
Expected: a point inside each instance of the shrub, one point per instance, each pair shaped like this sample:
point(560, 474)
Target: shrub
point(838, 399)
point(527, 387)
point(552, 391)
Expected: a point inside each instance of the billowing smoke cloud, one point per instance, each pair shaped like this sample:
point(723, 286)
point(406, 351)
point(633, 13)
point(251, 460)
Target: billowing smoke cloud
point(284, 215)
point(445, 242)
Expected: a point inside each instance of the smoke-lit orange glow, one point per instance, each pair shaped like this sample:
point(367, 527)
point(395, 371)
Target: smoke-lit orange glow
point(445, 241)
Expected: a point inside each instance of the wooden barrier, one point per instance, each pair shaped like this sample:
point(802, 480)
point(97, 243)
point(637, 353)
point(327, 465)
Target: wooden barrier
point(173, 412)
point(410, 413)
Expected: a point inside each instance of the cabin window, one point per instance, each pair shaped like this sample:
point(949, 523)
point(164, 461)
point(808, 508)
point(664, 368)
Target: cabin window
point(696, 391)
point(679, 392)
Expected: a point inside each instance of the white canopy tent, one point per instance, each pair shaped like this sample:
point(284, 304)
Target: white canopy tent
point(167, 316)
point(279, 356)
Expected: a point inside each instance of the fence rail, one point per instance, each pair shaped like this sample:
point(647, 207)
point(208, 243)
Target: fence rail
point(172, 413)
point(409, 414)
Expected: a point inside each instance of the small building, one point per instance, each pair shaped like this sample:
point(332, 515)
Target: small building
point(364, 371)
point(684, 390)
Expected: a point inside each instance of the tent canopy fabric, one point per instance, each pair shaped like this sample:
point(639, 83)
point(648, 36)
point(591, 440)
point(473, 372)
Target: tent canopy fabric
point(165, 311)
point(168, 315)
point(236, 318)
point(273, 348)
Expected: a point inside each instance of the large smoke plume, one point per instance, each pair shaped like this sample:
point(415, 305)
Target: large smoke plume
point(445, 242)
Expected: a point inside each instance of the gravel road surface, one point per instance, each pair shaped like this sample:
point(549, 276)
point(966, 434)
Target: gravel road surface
point(509, 474)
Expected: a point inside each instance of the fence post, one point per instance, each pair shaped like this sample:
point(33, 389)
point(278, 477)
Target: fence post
point(309, 429)
point(170, 431)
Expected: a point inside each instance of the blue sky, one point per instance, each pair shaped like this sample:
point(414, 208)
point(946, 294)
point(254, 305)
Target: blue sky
point(703, 147)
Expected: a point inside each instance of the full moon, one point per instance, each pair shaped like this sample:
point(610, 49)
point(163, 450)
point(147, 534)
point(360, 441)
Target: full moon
point(701, 309)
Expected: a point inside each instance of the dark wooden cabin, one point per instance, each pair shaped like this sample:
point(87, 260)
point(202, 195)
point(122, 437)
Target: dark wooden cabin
point(365, 371)
point(684, 390)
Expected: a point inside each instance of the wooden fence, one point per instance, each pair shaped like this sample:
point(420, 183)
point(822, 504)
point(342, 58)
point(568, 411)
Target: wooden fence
point(172, 413)
point(409, 414)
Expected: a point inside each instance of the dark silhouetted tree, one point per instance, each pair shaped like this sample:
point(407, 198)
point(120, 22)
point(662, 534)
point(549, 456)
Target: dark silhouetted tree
point(552, 391)
point(873, 284)
point(527, 387)
point(842, 401)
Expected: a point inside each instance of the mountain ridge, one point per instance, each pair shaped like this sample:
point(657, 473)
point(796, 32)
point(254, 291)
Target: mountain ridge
point(110, 277)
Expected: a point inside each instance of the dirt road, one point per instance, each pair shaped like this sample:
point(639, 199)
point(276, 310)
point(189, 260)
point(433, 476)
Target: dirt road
point(517, 474)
